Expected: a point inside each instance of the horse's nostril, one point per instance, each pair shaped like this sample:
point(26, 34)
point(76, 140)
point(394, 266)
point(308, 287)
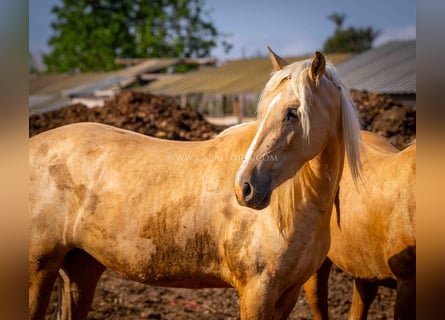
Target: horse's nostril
point(247, 191)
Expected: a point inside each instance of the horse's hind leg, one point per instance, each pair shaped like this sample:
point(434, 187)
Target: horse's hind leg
point(403, 265)
point(77, 282)
point(363, 295)
point(405, 299)
point(316, 289)
point(42, 275)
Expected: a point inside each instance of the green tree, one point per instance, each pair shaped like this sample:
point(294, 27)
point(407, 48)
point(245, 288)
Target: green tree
point(90, 34)
point(351, 39)
point(338, 19)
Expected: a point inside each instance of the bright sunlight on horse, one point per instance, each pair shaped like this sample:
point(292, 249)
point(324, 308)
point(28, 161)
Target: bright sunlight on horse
point(373, 232)
point(164, 212)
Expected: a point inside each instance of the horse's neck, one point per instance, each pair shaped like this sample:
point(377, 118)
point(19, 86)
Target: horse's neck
point(320, 176)
point(310, 194)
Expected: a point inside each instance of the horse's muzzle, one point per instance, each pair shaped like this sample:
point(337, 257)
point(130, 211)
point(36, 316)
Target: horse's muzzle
point(249, 196)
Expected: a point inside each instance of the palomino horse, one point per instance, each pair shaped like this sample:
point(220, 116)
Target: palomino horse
point(373, 232)
point(164, 213)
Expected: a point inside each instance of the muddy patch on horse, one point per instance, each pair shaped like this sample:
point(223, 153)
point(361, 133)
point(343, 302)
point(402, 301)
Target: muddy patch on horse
point(181, 257)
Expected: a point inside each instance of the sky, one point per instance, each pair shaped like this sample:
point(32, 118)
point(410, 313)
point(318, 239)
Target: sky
point(289, 27)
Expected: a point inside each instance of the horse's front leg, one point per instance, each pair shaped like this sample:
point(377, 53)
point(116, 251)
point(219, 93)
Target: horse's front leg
point(286, 302)
point(260, 300)
point(316, 289)
point(363, 295)
point(253, 301)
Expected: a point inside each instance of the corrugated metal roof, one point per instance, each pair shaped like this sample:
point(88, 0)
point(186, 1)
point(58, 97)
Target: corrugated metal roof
point(51, 91)
point(389, 69)
point(56, 83)
point(53, 104)
point(234, 77)
point(148, 66)
point(90, 88)
point(53, 84)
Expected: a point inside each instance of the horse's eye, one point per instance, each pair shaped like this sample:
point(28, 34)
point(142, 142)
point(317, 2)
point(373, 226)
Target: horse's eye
point(292, 114)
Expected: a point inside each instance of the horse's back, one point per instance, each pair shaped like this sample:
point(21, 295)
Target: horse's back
point(377, 142)
point(83, 172)
point(77, 135)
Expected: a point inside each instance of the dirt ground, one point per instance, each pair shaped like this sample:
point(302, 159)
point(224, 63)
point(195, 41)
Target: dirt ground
point(117, 298)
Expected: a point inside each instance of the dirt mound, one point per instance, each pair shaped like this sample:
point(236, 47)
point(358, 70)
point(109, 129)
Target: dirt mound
point(383, 115)
point(145, 113)
point(164, 118)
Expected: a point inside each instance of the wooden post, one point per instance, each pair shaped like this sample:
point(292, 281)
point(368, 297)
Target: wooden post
point(224, 104)
point(183, 101)
point(241, 109)
point(237, 108)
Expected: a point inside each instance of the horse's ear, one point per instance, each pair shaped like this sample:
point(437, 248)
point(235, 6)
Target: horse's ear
point(277, 62)
point(318, 67)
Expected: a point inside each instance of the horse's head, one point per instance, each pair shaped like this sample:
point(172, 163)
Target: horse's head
point(299, 110)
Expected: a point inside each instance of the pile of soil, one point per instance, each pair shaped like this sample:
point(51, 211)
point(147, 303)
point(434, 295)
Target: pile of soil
point(117, 298)
point(163, 117)
point(145, 113)
point(385, 116)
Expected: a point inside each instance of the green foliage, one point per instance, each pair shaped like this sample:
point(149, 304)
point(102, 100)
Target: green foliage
point(338, 19)
point(350, 40)
point(90, 34)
